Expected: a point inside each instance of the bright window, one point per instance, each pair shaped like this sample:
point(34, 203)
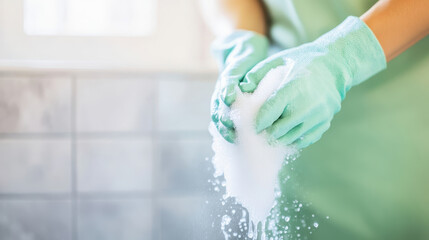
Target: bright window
point(89, 17)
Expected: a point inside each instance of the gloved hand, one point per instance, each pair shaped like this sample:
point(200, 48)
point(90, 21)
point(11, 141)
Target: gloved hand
point(236, 55)
point(301, 109)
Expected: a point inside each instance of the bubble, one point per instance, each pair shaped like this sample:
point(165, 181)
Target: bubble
point(226, 220)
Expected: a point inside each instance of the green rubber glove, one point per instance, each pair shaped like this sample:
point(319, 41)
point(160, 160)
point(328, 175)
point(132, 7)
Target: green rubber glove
point(236, 55)
point(301, 109)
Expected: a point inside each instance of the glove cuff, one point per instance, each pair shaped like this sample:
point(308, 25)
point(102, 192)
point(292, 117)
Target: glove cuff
point(223, 46)
point(356, 46)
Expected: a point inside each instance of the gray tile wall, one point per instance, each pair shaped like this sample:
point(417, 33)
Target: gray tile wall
point(115, 104)
point(35, 104)
point(35, 165)
point(90, 157)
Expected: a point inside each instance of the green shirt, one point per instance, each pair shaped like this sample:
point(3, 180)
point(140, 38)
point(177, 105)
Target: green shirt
point(370, 171)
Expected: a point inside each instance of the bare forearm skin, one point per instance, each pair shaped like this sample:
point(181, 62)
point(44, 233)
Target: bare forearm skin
point(226, 16)
point(398, 24)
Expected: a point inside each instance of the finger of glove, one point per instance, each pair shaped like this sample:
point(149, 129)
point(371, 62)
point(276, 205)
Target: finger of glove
point(225, 119)
point(286, 123)
point(233, 74)
point(273, 108)
point(227, 133)
point(312, 136)
point(296, 133)
point(257, 73)
point(224, 114)
point(214, 109)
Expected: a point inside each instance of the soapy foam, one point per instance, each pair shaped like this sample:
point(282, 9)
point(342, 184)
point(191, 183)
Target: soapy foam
point(251, 165)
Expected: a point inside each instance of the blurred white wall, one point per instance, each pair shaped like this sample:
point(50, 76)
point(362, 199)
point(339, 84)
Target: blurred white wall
point(179, 43)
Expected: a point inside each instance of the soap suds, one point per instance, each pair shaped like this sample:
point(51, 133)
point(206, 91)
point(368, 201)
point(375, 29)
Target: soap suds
point(251, 165)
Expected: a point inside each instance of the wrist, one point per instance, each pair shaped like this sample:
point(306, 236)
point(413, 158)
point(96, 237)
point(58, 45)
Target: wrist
point(237, 43)
point(356, 51)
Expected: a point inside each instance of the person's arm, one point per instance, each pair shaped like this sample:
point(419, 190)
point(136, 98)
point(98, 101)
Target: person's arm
point(225, 16)
point(240, 26)
point(301, 109)
point(398, 24)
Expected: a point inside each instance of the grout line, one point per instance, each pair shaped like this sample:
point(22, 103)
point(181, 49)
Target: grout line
point(114, 195)
point(35, 196)
point(95, 135)
point(156, 233)
point(74, 214)
point(101, 195)
point(145, 76)
point(34, 135)
point(81, 134)
point(113, 134)
point(199, 133)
